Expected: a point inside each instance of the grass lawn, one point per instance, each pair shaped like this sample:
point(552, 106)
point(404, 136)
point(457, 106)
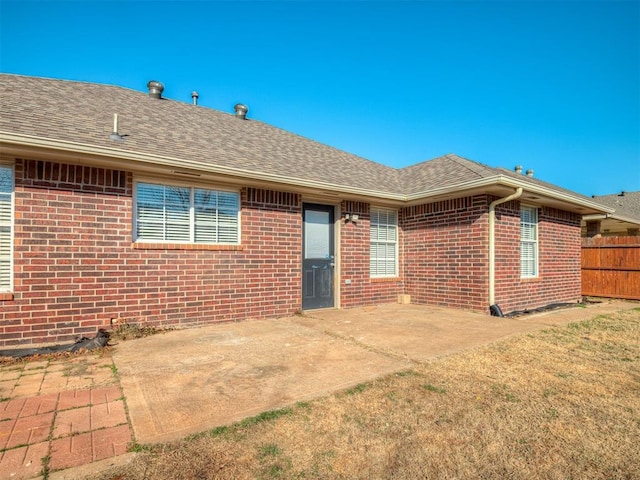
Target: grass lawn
point(563, 403)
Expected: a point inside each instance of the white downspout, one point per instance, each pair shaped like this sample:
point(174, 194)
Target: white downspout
point(492, 242)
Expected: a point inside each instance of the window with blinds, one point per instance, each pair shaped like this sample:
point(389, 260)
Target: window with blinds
point(6, 223)
point(186, 215)
point(528, 242)
point(384, 243)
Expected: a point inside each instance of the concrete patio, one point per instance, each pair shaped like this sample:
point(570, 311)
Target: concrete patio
point(229, 372)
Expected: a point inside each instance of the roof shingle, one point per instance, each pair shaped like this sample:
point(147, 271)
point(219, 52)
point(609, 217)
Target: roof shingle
point(81, 112)
point(625, 203)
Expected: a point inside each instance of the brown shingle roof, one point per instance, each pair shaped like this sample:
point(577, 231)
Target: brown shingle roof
point(448, 170)
point(83, 113)
point(526, 180)
point(625, 203)
point(69, 111)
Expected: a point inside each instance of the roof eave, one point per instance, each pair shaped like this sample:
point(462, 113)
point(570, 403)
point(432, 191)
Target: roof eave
point(13, 143)
point(566, 197)
point(9, 141)
point(612, 216)
point(506, 181)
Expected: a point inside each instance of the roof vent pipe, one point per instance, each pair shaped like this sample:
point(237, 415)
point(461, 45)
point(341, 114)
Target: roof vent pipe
point(241, 111)
point(518, 169)
point(530, 172)
point(194, 97)
point(155, 89)
point(115, 135)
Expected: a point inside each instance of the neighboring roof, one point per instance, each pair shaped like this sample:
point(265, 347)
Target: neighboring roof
point(625, 203)
point(70, 116)
point(626, 215)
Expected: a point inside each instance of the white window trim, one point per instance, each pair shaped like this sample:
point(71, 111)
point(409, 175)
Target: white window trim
point(396, 242)
point(192, 187)
point(533, 242)
point(12, 218)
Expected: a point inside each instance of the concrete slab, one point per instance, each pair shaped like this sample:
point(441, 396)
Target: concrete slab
point(421, 333)
point(189, 381)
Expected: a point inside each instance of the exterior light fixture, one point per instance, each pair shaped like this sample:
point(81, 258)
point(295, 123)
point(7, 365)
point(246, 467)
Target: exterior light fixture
point(351, 217)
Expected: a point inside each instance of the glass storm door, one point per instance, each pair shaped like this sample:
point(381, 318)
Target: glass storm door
point(318, 259)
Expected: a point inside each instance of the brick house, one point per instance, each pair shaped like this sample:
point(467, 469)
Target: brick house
point(120, 204)
point(624, 221)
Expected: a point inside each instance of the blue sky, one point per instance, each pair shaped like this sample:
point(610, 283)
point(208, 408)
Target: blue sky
point(552, 86)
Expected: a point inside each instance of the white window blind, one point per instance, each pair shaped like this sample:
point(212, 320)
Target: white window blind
point(6, 222)
point(528, 242)
point(384, 243)
point(190, 215)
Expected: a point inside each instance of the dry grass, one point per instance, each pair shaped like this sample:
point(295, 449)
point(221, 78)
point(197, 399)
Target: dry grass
point(562, 403)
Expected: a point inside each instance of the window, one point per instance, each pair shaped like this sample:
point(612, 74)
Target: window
point(528, 242)
point(186, 215)
point(6, 222)
point(384, 243)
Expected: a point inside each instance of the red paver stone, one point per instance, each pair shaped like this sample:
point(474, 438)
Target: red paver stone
point(6, 427)
point(31, 429)
point(110, 442)
point(71, 451)
point(24, 462)
point(12, 408)
point(69, 422)
point(108, 415)
point(39, 404)
point(74, 399)
point(105, 394)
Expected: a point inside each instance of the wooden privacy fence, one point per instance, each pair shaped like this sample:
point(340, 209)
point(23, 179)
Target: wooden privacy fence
point(611, 267)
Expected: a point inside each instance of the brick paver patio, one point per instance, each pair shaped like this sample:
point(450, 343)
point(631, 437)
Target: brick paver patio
point(59, 413)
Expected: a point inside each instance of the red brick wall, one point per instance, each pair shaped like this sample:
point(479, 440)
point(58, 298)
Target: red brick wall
point(76, 268)
point(354, 266)
point(446, 253)
point(446, 256)
point(558, 259)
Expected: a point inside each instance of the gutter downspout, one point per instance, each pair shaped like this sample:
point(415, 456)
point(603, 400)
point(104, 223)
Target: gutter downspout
point(492, 246)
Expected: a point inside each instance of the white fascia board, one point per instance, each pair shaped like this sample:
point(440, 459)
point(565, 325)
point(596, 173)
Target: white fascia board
point(612, 216)
point(596, 216)
point(622, 218)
